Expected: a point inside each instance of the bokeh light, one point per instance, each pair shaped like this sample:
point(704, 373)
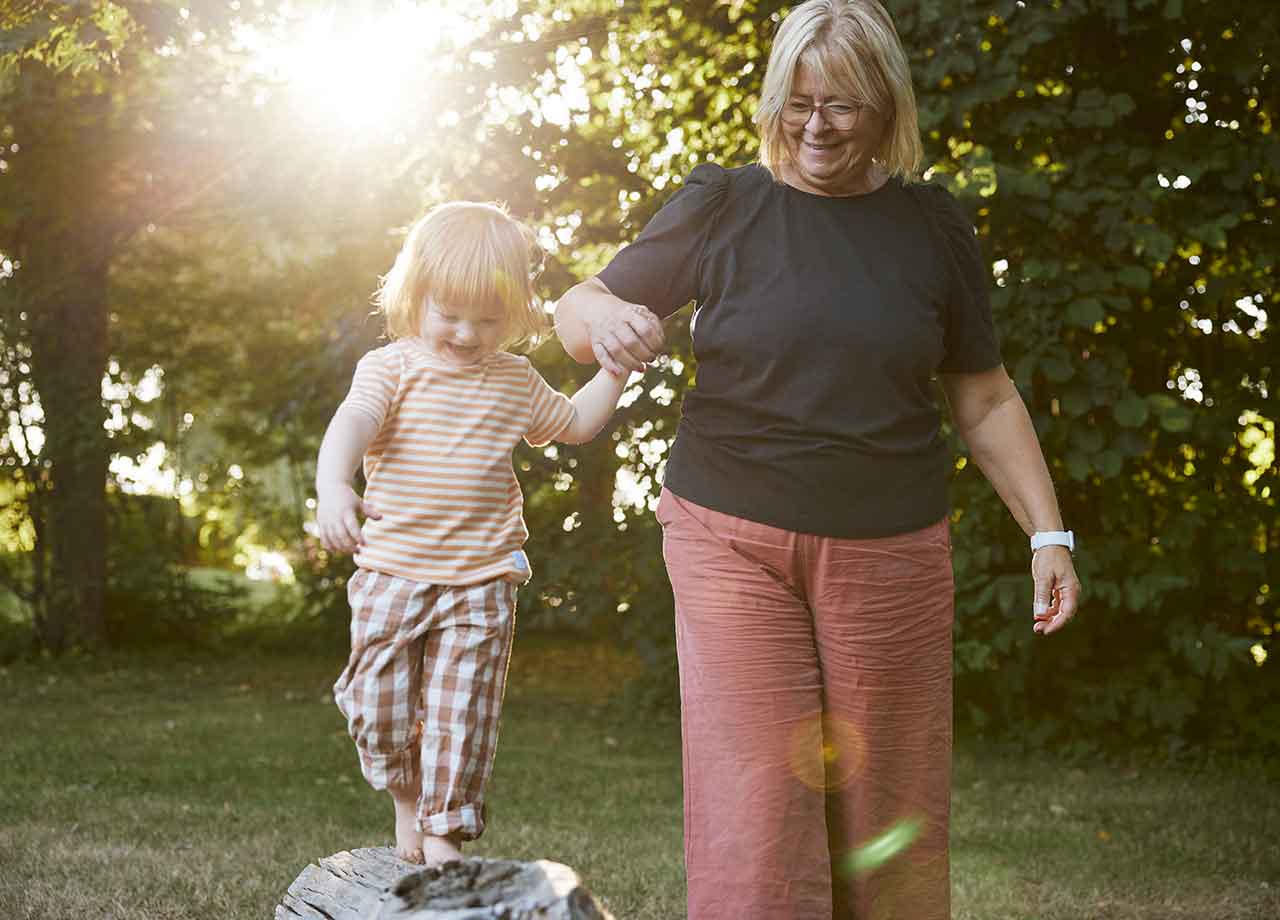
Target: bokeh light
point(882, 848)
point(826, 752)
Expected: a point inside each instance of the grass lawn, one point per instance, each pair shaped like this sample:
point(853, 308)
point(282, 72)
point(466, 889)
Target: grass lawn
point(136, 788)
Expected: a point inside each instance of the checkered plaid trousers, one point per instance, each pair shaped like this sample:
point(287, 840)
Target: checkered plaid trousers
point(439, 734)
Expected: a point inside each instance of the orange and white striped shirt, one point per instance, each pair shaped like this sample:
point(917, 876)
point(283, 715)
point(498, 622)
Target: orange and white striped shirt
point(439, 468)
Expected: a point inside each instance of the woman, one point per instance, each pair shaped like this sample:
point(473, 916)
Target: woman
point(804, 509)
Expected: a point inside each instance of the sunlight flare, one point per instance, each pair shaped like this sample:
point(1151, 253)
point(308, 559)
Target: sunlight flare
point(881, 849)
point(840, 748)
point(351, 69)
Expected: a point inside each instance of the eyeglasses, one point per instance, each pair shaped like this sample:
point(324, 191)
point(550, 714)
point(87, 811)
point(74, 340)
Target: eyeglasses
point(841, 115)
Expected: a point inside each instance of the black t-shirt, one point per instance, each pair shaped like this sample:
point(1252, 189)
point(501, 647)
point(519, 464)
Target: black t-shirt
point(819, 326)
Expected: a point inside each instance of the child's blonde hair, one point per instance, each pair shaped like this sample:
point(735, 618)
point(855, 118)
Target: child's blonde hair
point(466, 253)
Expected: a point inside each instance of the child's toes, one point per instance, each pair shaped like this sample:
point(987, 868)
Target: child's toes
point(411, 856)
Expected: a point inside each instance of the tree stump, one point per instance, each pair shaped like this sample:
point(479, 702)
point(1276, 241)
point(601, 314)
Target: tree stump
point(374, 884)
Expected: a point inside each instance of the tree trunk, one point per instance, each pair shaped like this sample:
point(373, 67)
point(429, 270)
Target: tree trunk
point(66, 236)
point(68, 317)
point(373, 884)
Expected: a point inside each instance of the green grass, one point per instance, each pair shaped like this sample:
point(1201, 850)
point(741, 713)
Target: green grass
point(153, 788)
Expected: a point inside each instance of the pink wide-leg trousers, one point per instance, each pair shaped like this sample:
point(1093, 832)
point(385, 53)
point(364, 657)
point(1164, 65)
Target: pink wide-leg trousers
point(815, 678)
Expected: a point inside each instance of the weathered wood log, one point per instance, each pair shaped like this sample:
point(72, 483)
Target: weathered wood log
point(374, 884)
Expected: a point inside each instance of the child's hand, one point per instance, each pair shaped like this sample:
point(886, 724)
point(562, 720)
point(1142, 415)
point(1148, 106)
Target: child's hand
point(337, 519)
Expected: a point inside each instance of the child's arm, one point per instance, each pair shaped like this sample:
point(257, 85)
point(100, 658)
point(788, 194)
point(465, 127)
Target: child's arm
point(593, 405)
point(344, 443)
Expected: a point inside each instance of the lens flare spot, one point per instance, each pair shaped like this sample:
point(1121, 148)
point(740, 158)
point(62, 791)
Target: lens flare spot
point(880, 849)
point(826, 752)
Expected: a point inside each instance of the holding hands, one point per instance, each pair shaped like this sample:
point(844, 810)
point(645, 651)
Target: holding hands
point(626, 339)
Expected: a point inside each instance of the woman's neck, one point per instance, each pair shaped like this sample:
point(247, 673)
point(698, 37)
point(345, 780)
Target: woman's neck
point(849, 185)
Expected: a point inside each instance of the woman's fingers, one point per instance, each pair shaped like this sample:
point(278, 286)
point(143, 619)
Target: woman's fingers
point(627, 348)
point(1057, 589)
point(648, 329)
point(629, 341)
point(623, 351)
point(1042, 603)
point(1065, 598)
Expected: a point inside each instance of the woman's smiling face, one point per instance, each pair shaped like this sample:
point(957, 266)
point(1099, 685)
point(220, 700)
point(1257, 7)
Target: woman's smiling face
point(826, 159)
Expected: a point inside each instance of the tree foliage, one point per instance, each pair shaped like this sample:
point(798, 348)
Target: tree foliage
point(1120, 161)
point(1118, 158)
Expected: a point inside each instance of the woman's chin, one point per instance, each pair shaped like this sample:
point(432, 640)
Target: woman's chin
point(829, 173)
point(822, 171)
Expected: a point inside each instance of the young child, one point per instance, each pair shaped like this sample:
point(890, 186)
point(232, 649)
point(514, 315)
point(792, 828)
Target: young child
point(436, 415)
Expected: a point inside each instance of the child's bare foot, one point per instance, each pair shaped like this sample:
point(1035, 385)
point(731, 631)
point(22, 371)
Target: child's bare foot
point(408, 837)
point(437, 851)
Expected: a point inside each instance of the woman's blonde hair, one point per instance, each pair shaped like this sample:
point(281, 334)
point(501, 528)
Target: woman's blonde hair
point(850, 46)
point(466, 254)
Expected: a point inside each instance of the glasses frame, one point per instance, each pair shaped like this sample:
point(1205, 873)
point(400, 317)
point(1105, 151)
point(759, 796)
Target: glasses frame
point(788, 117)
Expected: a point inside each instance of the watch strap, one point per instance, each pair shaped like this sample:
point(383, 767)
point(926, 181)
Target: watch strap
point(1053, 538)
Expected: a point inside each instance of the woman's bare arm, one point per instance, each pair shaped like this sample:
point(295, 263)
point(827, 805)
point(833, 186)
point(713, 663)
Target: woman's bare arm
point(993, 421)
point(596, 327)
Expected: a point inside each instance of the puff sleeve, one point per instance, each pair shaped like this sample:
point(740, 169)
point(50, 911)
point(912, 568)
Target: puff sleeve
point(970, 340)
point(660, 269)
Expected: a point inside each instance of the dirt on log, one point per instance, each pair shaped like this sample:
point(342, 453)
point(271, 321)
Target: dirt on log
point(374, 884)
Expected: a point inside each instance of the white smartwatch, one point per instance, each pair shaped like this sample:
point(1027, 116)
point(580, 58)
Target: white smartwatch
point(1053, 538)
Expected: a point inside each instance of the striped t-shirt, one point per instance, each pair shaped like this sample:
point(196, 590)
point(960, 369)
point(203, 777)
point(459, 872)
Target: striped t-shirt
point(439, 468)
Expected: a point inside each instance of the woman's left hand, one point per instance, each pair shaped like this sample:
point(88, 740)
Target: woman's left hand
point(1057, 589)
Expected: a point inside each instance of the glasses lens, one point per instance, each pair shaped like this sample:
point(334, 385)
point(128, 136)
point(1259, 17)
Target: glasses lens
point(840, 115)
point(796, 113)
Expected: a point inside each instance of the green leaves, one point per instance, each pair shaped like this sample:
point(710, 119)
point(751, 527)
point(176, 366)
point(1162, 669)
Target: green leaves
point(1153, 242)
point(1172, 414)
point(1131, 411)
point(1057, 368)
point(1074, 115)
point(1136, 277)
point(1086, 312)
point(1085, 457)
point(1095, 108)
point(1109, 463)
point(1077, 399)
point(1078, 465)
point(1120, 222)
point(1089, 440)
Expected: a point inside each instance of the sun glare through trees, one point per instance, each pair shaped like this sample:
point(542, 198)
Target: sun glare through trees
point(347, 68)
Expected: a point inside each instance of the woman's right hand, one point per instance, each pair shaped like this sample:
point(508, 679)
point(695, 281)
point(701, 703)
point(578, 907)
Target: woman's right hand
point(337, 519)
point(626, 338)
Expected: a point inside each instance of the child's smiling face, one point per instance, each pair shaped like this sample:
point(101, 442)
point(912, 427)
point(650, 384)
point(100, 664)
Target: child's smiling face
point(464, 334)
